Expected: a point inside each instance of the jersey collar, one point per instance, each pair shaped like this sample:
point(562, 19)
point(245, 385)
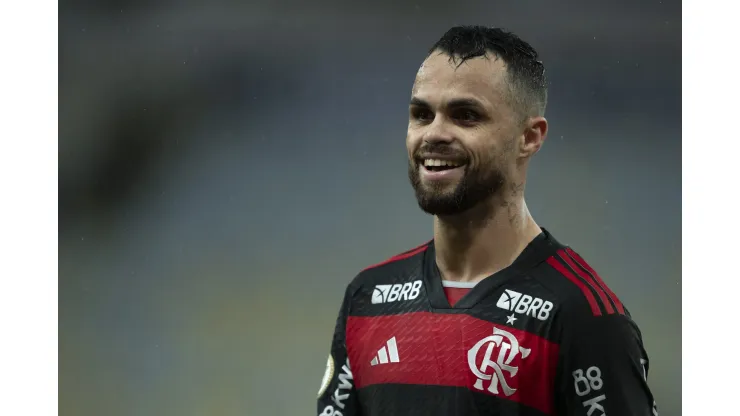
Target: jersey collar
point(537, 251)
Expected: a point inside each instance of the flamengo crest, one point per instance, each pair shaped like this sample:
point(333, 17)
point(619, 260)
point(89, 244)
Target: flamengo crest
point(494, 368)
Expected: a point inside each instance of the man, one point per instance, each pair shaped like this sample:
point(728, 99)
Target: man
point(493, 316)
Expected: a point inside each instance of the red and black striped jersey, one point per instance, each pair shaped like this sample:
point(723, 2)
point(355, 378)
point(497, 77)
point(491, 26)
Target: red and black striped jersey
point(545, 336)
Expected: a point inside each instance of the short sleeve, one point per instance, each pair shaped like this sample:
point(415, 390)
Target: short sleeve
point(603, 369)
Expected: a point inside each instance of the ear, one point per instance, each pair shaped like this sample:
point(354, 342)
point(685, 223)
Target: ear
point(534, 134)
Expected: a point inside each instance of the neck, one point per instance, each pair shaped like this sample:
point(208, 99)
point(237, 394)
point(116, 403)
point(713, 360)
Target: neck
point(484, 240)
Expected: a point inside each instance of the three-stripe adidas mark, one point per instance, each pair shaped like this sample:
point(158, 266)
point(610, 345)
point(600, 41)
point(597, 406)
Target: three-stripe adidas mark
point(387, 353)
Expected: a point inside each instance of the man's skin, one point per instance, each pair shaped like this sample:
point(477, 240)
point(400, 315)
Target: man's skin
point(470, 108)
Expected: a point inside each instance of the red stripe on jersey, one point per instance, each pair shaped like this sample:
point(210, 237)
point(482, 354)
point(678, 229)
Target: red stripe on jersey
point(585, 276)
point(585, 265)
point(401, 256)
point(455, 350)
point(454, 294)
point(552, 261)
point(425, 245)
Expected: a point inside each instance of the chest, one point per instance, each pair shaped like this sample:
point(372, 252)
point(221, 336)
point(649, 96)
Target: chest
point(455, 350)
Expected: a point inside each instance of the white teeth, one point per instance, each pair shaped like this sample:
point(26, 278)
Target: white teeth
point(438, 162)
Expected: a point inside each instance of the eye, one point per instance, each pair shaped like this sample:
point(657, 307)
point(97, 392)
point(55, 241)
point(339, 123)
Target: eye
point(466, 115)
point(421, 114)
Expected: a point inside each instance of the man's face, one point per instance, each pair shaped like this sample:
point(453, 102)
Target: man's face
point(461, 137)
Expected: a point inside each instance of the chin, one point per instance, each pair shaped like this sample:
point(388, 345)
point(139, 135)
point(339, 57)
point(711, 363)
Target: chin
point(440, 203)
point(439, 190)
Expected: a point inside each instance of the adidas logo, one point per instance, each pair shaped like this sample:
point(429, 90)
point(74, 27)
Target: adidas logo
point(387, 353)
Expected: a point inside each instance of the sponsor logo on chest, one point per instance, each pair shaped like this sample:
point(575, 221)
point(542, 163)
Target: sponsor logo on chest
point(514, 301)
point(396, 292)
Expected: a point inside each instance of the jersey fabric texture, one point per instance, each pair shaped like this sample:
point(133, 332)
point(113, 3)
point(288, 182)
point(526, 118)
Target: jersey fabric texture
point(545, 336)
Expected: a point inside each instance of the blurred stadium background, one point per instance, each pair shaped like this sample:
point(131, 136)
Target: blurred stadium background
point(226, 167)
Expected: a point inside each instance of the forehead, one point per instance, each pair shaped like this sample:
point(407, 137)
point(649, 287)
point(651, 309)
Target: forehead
point(440, 80)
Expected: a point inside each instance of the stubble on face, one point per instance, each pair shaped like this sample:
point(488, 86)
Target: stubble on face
point(484, 145)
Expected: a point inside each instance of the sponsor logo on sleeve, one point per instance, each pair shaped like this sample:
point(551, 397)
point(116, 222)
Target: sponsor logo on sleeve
point(328, 374)
point(341, 393)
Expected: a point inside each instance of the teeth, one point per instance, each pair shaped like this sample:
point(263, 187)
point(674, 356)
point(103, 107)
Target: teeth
point(438, 162)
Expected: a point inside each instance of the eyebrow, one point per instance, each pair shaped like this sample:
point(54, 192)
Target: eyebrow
point(418, 102)
point(458, 103)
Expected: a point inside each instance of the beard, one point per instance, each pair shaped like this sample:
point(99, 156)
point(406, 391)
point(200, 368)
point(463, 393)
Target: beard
point(477, 184)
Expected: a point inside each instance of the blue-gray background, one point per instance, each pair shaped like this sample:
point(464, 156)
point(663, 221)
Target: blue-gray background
point(226, 167)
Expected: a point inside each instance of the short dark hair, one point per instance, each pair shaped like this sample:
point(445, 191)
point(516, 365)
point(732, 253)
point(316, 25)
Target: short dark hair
point(525, 72)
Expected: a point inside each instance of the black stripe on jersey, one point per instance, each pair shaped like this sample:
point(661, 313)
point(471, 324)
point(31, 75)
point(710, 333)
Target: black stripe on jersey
point(430, 400)
point(589, 286)
point(594, 279)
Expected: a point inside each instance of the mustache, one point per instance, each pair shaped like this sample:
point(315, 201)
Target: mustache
point(437, 149)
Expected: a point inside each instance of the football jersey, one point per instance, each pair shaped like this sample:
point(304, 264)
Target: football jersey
point(544, 336)
point(454, 291)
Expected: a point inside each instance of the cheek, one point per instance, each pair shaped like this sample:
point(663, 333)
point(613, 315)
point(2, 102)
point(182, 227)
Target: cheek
point(412, 142)
point(500, 149)
point(488, 157)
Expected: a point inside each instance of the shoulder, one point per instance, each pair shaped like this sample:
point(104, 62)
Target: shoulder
point(397, 269)
point(587, 308)
point(579, 287)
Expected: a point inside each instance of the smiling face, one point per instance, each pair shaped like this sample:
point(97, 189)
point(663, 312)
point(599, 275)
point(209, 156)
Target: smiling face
point(463, 132)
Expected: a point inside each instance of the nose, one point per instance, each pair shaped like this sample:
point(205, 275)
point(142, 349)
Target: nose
point(438, 132)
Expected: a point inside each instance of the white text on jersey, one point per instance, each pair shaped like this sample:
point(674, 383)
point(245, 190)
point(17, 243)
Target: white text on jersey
point(396, 292)
point(342, 393)
point(519, 303)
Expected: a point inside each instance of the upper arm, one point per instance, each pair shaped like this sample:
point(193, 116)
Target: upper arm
point(603, 369)
point(337, 395)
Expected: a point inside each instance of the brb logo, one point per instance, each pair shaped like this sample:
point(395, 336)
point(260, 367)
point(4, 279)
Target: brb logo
point(508, 349)
point(399, 291)
point(516, 302)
